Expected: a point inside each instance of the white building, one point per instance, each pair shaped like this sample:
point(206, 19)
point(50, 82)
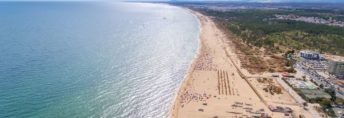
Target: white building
point(307, 54)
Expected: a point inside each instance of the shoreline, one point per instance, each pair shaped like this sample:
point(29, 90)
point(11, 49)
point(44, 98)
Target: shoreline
point(206, 24)
point(215, 82)
point(219, 41)
point(175, 102)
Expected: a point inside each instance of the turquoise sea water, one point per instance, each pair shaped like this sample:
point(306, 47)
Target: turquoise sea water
point(92, 59)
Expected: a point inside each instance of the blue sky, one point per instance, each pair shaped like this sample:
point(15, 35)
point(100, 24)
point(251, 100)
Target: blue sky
point(299, 0)
point(265, 1)
point(332, 1)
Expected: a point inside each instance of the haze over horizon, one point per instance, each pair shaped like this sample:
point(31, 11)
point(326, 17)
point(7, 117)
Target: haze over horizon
point(262, 1)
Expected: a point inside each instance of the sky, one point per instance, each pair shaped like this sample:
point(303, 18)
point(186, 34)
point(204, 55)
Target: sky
point(325, 1)
point(264, 1)
point(333, 1)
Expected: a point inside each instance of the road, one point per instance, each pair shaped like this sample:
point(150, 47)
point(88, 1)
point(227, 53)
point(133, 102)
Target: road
point(298, 98)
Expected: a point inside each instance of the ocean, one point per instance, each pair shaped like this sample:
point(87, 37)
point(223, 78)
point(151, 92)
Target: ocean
point(93, 59)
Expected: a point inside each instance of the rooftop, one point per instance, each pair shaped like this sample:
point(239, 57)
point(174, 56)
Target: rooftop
point(314, 93)
point(334, 57)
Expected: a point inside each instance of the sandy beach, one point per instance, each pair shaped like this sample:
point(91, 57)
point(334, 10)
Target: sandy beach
point(214, 85)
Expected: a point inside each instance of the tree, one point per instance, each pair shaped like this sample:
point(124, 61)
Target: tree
point(325, 103)
point(332, 93)
point(321, 86)
point(304, 78)
point(305, 104)
point(326, 106)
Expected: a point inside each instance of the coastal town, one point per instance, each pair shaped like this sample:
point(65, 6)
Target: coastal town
point(218, 85)
point(316, 20)
point(318, 77)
